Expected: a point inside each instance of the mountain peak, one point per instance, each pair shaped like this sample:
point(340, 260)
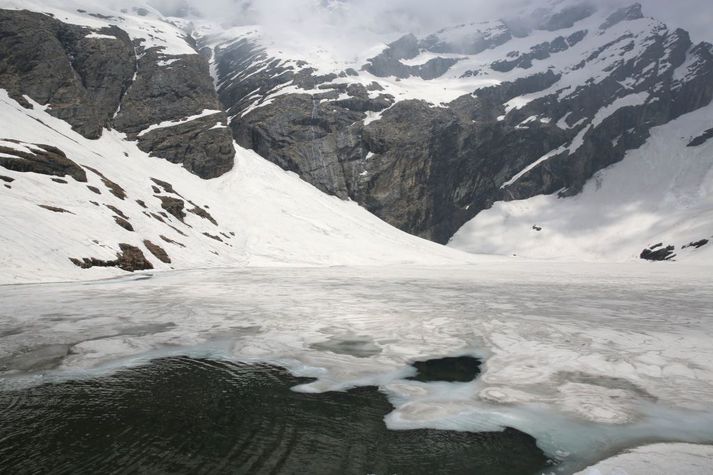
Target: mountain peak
point(628, 13)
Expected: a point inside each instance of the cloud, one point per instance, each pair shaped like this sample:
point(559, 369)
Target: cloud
point(359, 19)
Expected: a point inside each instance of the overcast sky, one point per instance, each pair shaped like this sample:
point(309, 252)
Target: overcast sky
point(419, 16)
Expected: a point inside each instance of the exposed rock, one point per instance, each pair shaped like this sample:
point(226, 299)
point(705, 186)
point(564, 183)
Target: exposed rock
point(124, 223)
point(160, 94)
point(167, 187)
point(198, 211)
point(94, 189)
point(307, 136)
point(113, 187)
point(658, 253)
point(59, 180)
point(697, 244)
point(81, 78)
point(55, 209)
point(171, 241)
point(202, 148)
point(538, 52)
point(177, 230)
point(130, 259)
point(37, 158)
point(576, 37)
point(106, 68)
point(117, 211)
point(173, 206)
point(701, 139)
point(157, 251)
point(388, 63)
point(254, 72)
point(6, 179)
point(89, 82)
point(216, 238)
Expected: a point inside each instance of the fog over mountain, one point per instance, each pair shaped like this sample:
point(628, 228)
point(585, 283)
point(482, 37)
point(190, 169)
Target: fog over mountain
point(310, 17)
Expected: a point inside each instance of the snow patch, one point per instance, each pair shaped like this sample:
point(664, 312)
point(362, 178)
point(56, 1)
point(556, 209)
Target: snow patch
point(172, 123)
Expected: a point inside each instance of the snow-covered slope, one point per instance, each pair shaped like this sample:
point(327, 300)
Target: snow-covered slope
point(554, 37)
point(137, 17)
point(660, 193)
point(263, 215)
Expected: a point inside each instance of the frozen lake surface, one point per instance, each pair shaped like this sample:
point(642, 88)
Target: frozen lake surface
point(587, 359)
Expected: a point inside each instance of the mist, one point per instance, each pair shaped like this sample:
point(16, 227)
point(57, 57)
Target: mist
point(355, 23)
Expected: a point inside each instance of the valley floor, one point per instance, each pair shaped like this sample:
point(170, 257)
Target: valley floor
point(589, 359)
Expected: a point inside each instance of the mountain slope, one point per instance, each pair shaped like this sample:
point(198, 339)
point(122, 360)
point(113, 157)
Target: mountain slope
point(660, 193)
point(254, 215)
point(428, 132)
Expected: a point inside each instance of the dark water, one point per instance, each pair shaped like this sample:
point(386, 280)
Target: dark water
point(183, 415)
point(452, 369)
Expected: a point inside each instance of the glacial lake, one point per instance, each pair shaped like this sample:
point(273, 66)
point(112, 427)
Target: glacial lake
point(492, 369)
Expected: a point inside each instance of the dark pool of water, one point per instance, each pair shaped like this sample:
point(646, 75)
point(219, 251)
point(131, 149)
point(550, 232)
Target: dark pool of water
point(451, 369)
point(183, 415)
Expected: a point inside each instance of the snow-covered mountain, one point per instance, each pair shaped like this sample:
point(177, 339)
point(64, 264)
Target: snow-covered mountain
point(87, 184)
point(130, 139)
point(429, 132)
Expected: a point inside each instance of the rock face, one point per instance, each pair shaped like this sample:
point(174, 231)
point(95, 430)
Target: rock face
point(81, 77)
point(167, 91)
point(94, 80)
point(566, 112)
point(388, 63)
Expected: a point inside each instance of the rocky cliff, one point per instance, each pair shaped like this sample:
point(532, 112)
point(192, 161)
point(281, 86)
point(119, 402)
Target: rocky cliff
point(550, 104)
point(99, 78)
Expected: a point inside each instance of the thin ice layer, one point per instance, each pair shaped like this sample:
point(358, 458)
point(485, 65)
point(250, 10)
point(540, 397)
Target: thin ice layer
point(587, 358)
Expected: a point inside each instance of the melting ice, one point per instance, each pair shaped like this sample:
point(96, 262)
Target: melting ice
point(588, 359)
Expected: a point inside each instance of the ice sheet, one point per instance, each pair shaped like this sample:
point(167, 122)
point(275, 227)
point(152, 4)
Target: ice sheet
point(657, 458)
